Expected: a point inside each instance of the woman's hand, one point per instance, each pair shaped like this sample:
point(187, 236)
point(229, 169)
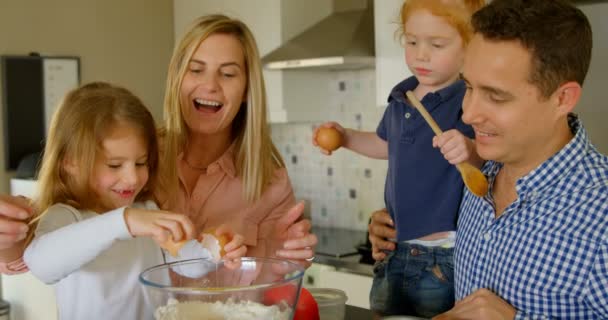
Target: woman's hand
point(159, 225)
point(297, 241)
point(381, 228)
point(235, 248)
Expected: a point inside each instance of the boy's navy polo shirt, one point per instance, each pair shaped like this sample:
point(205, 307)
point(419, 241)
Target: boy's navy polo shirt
point(423, 190)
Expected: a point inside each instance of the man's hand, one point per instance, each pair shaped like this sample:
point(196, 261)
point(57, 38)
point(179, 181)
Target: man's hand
point(481, 304)
point(381, 228)
point(13, 212)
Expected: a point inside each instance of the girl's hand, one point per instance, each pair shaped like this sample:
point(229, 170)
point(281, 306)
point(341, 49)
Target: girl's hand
point(330, 124)
point(159, 225)
point(235, 248)
point(454, 146)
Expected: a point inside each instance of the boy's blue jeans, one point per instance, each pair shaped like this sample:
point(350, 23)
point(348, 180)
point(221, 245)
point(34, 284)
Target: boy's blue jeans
point(414, 280)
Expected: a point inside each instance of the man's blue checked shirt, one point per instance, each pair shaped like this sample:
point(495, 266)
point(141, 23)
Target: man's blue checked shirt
point(547, 254)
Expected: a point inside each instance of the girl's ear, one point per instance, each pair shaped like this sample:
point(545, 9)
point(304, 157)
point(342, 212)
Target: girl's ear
point(70, 167)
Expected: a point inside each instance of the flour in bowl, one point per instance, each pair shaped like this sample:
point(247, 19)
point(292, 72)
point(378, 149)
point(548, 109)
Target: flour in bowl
point(228, 310)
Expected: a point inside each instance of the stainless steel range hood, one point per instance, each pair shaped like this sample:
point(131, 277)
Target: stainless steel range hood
point(343, 40)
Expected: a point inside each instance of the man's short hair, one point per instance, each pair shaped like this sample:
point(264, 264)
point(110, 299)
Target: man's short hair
point(557, 35)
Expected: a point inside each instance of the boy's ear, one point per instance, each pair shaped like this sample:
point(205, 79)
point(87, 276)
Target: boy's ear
point(568, 95)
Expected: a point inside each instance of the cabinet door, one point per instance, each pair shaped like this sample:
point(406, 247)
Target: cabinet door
point(390, 55)
point(355, 286)
point(30, 299)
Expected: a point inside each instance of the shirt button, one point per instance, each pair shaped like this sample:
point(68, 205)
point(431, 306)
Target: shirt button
point(408, 115)
point(487, 236)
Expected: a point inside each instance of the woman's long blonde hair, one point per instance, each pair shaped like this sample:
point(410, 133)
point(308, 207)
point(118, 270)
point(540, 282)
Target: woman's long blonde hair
point(77, 129)
point(256, 157)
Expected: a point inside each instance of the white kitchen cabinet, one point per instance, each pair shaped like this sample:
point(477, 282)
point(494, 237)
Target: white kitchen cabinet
point(30, 299)
point(390, 55)
point(356, 287)
point(312, 276)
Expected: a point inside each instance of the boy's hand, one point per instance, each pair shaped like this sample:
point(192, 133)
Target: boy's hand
point(330, 124)
point(235, 248)
point(454, 146)
point(159, 225)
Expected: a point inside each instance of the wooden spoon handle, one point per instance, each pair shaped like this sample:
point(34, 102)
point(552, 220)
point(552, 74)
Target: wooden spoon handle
point(425, 114)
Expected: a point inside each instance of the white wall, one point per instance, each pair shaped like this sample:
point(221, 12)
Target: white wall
point(593, 107)
point(263, 25)
point(125, 42)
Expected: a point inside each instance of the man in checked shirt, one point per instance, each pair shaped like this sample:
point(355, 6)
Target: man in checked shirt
point(536, 246)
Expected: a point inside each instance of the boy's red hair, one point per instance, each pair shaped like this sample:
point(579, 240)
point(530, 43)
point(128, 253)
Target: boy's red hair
point(457, 13)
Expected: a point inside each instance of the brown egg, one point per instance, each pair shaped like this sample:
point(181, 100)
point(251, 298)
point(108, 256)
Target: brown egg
point(329, 139)
point(173, 246)
point(215, 244)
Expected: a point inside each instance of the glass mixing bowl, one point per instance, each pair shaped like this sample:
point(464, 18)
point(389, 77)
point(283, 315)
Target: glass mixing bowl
point(246, 288)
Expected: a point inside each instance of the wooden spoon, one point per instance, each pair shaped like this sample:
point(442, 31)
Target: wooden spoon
point(473, 178)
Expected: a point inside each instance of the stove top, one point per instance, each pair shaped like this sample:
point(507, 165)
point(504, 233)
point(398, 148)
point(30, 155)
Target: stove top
point(338, 242)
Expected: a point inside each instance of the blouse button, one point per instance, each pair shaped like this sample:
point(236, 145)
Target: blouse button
point(487, 236)
point(408, 115)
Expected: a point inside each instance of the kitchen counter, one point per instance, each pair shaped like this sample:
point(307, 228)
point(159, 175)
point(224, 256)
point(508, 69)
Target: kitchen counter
point(337, 247)
point(348, 264)
point(356, 313)
point(336, 265)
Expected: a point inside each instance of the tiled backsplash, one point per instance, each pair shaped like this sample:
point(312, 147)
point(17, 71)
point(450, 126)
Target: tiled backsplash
point(344, 188)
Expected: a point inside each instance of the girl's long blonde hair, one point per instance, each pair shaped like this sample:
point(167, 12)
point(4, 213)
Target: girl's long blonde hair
point(256, 157)
point(77, 130)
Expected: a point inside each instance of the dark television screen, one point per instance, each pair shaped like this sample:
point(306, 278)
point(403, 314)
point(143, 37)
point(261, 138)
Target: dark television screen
point(23, 107)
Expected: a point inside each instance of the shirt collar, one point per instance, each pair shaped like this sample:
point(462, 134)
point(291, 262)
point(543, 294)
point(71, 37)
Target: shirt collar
point(554, 168)
point(224, 163)
point(398, 92)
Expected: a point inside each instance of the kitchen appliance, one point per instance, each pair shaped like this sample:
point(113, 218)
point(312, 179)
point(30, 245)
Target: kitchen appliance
point(33, 86)
point(343, 40)
point(253, 288)
point(337, 242)
point(365, 250)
